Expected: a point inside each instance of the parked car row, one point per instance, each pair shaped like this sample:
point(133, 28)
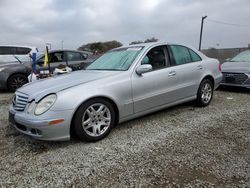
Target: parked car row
point(122, 84)
point(9, 52)
point(14, 73)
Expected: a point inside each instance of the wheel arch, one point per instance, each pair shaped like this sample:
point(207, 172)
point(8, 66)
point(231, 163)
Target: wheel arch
point(111, 101)
point(209, 77)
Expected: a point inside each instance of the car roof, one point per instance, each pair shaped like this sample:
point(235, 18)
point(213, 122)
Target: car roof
point(66, 50)
point(24, 46)
point(149, 44)
point(153, 44)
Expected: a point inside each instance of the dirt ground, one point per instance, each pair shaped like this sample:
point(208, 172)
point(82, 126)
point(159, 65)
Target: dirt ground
point(183, 146)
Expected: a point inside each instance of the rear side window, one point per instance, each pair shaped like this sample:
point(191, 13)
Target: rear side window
point(195, 57)
point(22, 51)
point(7, 50)
point(181, 54)
point(75, 56)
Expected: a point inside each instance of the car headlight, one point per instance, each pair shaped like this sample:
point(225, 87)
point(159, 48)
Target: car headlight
point(45, 104)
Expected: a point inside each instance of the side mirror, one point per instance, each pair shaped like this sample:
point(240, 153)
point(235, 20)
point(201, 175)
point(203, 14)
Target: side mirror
point(143, 69)
point(228, 59)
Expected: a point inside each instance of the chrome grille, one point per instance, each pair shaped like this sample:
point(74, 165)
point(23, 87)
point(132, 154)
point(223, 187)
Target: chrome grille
point(234, 78)
point(20, 101)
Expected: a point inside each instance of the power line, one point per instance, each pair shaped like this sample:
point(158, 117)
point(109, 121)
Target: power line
point(225, 23)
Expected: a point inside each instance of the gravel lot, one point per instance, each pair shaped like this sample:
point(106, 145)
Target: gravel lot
point(183, 146)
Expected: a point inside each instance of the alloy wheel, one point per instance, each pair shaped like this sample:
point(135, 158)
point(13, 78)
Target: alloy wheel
point(206, 93)
point(96, 119)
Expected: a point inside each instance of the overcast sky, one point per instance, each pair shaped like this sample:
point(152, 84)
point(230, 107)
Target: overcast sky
point(76, 22)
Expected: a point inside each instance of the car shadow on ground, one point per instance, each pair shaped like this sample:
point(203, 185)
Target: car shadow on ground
point(5, 91)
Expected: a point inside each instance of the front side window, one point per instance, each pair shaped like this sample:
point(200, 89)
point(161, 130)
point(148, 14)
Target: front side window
point(117, 59)
point(56, 57)
point(156, 57)
point(181, 54)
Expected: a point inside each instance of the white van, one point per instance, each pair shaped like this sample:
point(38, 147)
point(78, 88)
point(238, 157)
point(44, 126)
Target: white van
point(9, 52)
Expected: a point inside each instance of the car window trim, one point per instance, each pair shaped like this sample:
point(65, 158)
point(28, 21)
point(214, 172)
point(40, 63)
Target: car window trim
point(189, 49)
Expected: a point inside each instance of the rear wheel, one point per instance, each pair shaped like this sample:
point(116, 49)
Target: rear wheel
point(94, 120)
point(205, 93)
point(15, 81)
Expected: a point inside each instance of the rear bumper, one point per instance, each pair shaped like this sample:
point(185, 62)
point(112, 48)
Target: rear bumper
point(39, 128)
point(217, 81)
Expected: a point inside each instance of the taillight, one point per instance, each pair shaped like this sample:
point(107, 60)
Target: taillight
point(219, 67)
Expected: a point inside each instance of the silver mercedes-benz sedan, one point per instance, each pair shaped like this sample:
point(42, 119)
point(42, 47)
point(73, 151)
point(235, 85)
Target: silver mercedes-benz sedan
point(122, 84)
point(236, 72)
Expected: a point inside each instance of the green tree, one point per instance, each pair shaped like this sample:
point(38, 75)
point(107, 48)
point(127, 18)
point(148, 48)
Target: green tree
point(136, 42)
point(153, 39)
point(100, 47)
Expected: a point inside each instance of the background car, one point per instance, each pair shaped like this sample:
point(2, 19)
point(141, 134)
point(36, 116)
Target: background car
point(236, 72)
point(14, 74)
point(77, 60)
point(122, 84)
point(8, 52)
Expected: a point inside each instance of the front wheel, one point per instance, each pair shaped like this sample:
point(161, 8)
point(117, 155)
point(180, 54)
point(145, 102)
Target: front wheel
point(15, 81)
point(205, 93)
point(94, 120)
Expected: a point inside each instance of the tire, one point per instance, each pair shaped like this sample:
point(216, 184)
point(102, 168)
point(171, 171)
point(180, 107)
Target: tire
point(205, 93)
point(16, 81)
point(94, 120)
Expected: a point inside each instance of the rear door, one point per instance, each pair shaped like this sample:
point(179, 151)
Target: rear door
point(76, 60)
point(189, 70)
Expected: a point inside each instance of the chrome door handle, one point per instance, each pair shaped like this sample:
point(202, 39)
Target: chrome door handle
point(172, 73)
point(199, 67)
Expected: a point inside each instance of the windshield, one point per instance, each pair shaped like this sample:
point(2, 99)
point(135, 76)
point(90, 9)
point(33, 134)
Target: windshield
point(243, 56)
point(118, 59)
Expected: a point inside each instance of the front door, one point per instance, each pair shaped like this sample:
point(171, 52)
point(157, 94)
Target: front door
point(157, 87)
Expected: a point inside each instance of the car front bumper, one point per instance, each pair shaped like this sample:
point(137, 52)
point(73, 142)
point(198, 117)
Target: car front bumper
point(236, 79)
point(39, 128)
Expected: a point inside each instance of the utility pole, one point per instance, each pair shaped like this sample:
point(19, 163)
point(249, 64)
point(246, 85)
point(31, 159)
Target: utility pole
point(62, 44)
point(202, 21)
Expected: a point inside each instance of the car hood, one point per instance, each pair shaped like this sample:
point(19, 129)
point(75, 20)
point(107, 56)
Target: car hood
point(236, 67)
point(42, 87)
